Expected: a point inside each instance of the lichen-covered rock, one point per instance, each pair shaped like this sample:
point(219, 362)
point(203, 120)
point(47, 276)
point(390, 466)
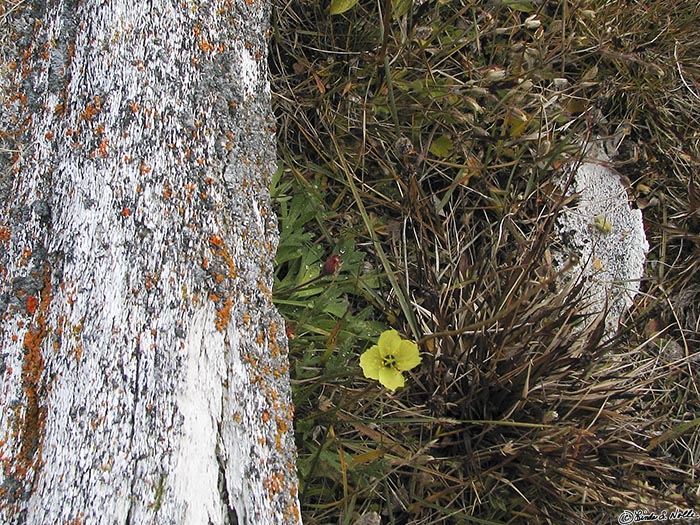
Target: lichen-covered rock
point(144, 367)
point(602, 239)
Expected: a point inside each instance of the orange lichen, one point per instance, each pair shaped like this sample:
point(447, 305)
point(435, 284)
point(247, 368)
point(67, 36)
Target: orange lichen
point(278, 442)
point(32, 370)
point(223, 315)
point(271, 395)
point(102, 148)
point(222, 252)
point(4, 234)
point(264, 289)
point(250, 360)
point(292, 512)
point(273, 484)
point(91, 110)
point(78, 520)
point(26, 254)
point(31, 304)
point(150, 281)
point(205, 45)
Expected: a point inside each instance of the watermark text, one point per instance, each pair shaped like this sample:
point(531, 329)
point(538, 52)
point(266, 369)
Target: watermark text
point(641, 516)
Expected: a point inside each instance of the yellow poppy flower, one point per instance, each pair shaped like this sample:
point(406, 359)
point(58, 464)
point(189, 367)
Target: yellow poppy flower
point(389, 358)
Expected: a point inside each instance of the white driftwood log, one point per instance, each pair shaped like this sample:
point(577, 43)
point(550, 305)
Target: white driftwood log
point(143, 367)
point(606, 236)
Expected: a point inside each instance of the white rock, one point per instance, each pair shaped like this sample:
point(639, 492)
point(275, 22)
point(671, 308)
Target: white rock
point(605, 238)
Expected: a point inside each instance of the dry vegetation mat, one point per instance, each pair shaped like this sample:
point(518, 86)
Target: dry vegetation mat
point(422, 147)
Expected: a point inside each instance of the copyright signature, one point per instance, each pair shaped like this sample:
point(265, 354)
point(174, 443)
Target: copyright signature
point(639, 516)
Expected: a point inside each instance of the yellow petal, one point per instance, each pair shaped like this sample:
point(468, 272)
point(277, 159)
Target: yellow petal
point(389, 342)
point(391, 378)
point(408, 356)
point(371, 362)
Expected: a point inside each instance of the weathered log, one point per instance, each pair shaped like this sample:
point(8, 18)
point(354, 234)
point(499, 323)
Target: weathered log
point(143, 366)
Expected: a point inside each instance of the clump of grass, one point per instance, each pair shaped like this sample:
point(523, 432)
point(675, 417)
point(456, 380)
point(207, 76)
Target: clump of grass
point(428, 136)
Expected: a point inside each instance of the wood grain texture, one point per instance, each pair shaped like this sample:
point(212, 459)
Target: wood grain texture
point(144, 368)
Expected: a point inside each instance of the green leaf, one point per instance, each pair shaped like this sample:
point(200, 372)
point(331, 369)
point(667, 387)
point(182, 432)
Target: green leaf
point(524, 6)
point(400, 7)
point(340, 6)
point(336, 308)
point(673, 433)
point(442, 147)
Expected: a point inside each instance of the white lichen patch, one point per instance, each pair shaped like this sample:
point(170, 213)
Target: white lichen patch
point(249, 71)
point(604, 237)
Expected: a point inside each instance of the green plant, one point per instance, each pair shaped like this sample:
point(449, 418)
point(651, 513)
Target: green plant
point(431, 138)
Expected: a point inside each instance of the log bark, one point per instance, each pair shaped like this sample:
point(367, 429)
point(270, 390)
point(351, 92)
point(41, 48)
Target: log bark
point(143, 367)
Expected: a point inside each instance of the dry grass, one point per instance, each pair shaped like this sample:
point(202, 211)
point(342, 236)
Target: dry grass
point(432, 140)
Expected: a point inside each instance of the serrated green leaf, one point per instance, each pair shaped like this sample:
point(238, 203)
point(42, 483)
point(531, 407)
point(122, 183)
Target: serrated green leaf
point(340, 6)
point(442, 147)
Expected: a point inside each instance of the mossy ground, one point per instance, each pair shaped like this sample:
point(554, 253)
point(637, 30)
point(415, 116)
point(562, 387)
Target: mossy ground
point(419, 142)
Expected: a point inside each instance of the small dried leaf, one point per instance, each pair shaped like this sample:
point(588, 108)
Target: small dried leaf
point(516, 122)
point(371, 518)
point(602, 223)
